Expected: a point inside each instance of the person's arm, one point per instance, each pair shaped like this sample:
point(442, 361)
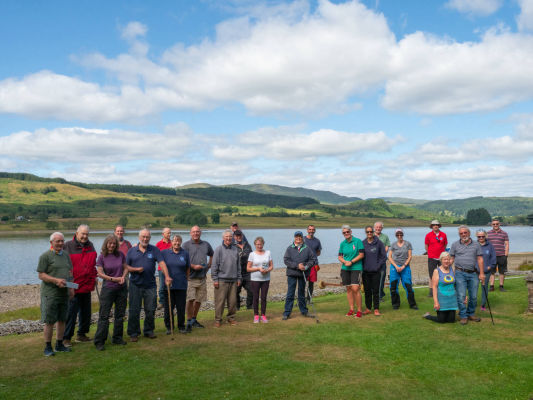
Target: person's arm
point(492, 258)
point(50, 279)
point(481, 269)
point(343, 261)
point(359, 256)
point(312, 260)
point(249, 267)
point(382, 256)
point(391, 260)
point(434, 286)
point(214, 269)
point(164, 268)
point(409, 257)
point(288, 261)
point(506, 243)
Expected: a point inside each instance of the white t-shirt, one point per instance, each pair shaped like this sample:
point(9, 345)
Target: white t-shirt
point(257, 261)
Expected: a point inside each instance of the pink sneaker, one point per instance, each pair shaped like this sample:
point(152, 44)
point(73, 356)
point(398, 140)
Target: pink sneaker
point(256, 319)
point(264, 319)
point(359, 314)
point(483, 308)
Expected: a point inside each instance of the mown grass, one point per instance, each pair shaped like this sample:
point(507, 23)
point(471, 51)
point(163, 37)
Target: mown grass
point(397, 356)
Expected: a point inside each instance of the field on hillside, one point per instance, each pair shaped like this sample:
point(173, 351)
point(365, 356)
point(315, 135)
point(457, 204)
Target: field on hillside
point(397, 356)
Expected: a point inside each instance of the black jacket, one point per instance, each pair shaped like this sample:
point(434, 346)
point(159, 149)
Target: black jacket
point(375, 255)
point(293, 257)
point(244, 253)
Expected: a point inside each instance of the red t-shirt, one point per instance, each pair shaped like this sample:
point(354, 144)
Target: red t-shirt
point(161, 245)
point(436, 244)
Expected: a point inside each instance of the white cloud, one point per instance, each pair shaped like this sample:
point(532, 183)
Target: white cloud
point(436, 76)
point(475, 7)
point(86, 145)
point(287, 143)
point(133, 30)
point(525, 18)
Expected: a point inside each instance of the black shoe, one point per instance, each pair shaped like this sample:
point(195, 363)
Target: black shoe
point(83, 338)
point(183, 330)
point(308, 315)
point(188, 328)
point(100, 346)
point(285, 317)
point(502, 289)
point(196, 324)
point(62, 348)
point(491, 288)
point(48, 352)
point(415, 307)
point(150, 336)
point(120, 342)
point(395, 308)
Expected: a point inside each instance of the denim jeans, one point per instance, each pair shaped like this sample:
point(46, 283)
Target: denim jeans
point(139, 296)
point(162, 287)
point(108, 297)
point(291, 288)
point(78, 307)
point(405, 277)
point(464, 282)
point(486, 290)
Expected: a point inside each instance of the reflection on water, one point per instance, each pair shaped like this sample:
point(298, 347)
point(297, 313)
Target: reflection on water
point(20, 254)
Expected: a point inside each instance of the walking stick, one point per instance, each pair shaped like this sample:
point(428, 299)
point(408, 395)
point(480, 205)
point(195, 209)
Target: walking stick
point(97, 290)
point(310, 297)
point(171, 313)
point(488, 304)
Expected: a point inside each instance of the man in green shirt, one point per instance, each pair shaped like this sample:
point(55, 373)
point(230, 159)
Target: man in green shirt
point(351, 254)
point(55, 269)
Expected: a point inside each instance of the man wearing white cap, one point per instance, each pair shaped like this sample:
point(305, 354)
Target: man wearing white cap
point(436, 242)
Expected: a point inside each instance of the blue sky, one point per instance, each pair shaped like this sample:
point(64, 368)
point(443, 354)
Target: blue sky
point(422, 99)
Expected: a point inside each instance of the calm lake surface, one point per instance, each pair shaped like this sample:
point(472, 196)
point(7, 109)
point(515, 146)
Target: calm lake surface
point(20, 254)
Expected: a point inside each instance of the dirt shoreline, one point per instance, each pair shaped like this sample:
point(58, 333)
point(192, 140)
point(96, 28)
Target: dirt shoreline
point(23, 296)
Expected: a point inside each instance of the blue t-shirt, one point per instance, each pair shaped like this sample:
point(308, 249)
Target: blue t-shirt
point(177, 265)
point(314, 244)
point(147, 260)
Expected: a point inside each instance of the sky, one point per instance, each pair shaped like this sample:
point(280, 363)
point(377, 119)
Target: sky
point(369, 98)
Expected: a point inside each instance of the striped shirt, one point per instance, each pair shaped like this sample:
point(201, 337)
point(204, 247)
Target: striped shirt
point(498, 239)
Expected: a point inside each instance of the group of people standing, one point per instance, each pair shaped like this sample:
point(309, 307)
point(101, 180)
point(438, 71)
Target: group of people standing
point(68, 271)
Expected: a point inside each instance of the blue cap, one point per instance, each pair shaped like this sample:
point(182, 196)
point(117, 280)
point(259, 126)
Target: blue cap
point(298, 233)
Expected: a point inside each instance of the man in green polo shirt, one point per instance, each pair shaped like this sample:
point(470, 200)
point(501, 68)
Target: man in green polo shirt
point(55, 269)
point(351, 254)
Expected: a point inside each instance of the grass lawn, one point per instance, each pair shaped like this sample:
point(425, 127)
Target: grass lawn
point(396, 356)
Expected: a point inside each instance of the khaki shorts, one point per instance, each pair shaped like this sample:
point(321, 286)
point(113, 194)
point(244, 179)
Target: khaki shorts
point(197, 290)
point(53, 309)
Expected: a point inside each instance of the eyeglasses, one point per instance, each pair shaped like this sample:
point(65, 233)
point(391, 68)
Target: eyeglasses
point(345, 232)
point(369, 232)
point(481, 237)
point(399, 234)
point(496, 224)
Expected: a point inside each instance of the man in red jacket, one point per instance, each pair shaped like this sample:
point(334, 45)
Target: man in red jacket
point(83, 257)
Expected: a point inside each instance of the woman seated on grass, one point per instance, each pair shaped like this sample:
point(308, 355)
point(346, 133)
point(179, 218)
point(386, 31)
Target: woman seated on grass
point(400, 255)
point(260, 265)
point(111, 267)
point(444, 295)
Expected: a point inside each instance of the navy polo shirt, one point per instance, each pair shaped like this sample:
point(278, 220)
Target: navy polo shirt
point(136, 258)
point(177, 265)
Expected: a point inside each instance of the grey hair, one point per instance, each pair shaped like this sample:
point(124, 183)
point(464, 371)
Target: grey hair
point(464, 227)
point(346, 226)
point(177, 236)
point(483, 231)
point(378, 223)
point(56, 234)
point(226, 232)
point(443, 255)
point(145, 229)
point(82, 226)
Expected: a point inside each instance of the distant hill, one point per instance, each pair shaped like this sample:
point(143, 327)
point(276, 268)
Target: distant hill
point(323, 196)
point(496, 206)
point(236, 196)
point(404, 200)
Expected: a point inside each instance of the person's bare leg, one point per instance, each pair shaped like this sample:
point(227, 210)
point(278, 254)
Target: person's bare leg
point(196, 308)
point(48, 331)
point(350, 296)
point(190, 309)
point(492, 280)
point(60, 330)
point(502, 278)
point(357, 296)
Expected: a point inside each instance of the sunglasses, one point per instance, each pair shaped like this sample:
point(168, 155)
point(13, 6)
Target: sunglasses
point(399, 234)
point(481, 237)
point(345, 232)
point(369, 232)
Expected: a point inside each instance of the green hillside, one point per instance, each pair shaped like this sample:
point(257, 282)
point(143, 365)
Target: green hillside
point(323, 196)
point(404, 200)
point(496, 206)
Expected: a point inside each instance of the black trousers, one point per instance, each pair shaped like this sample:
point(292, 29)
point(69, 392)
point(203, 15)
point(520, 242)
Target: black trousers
point(443, 317)
point(246, 285)
point(178, 299)
point(79, 306)
point(395, 296)
point(260, 290)
point(108, 297)
point(371, 281)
